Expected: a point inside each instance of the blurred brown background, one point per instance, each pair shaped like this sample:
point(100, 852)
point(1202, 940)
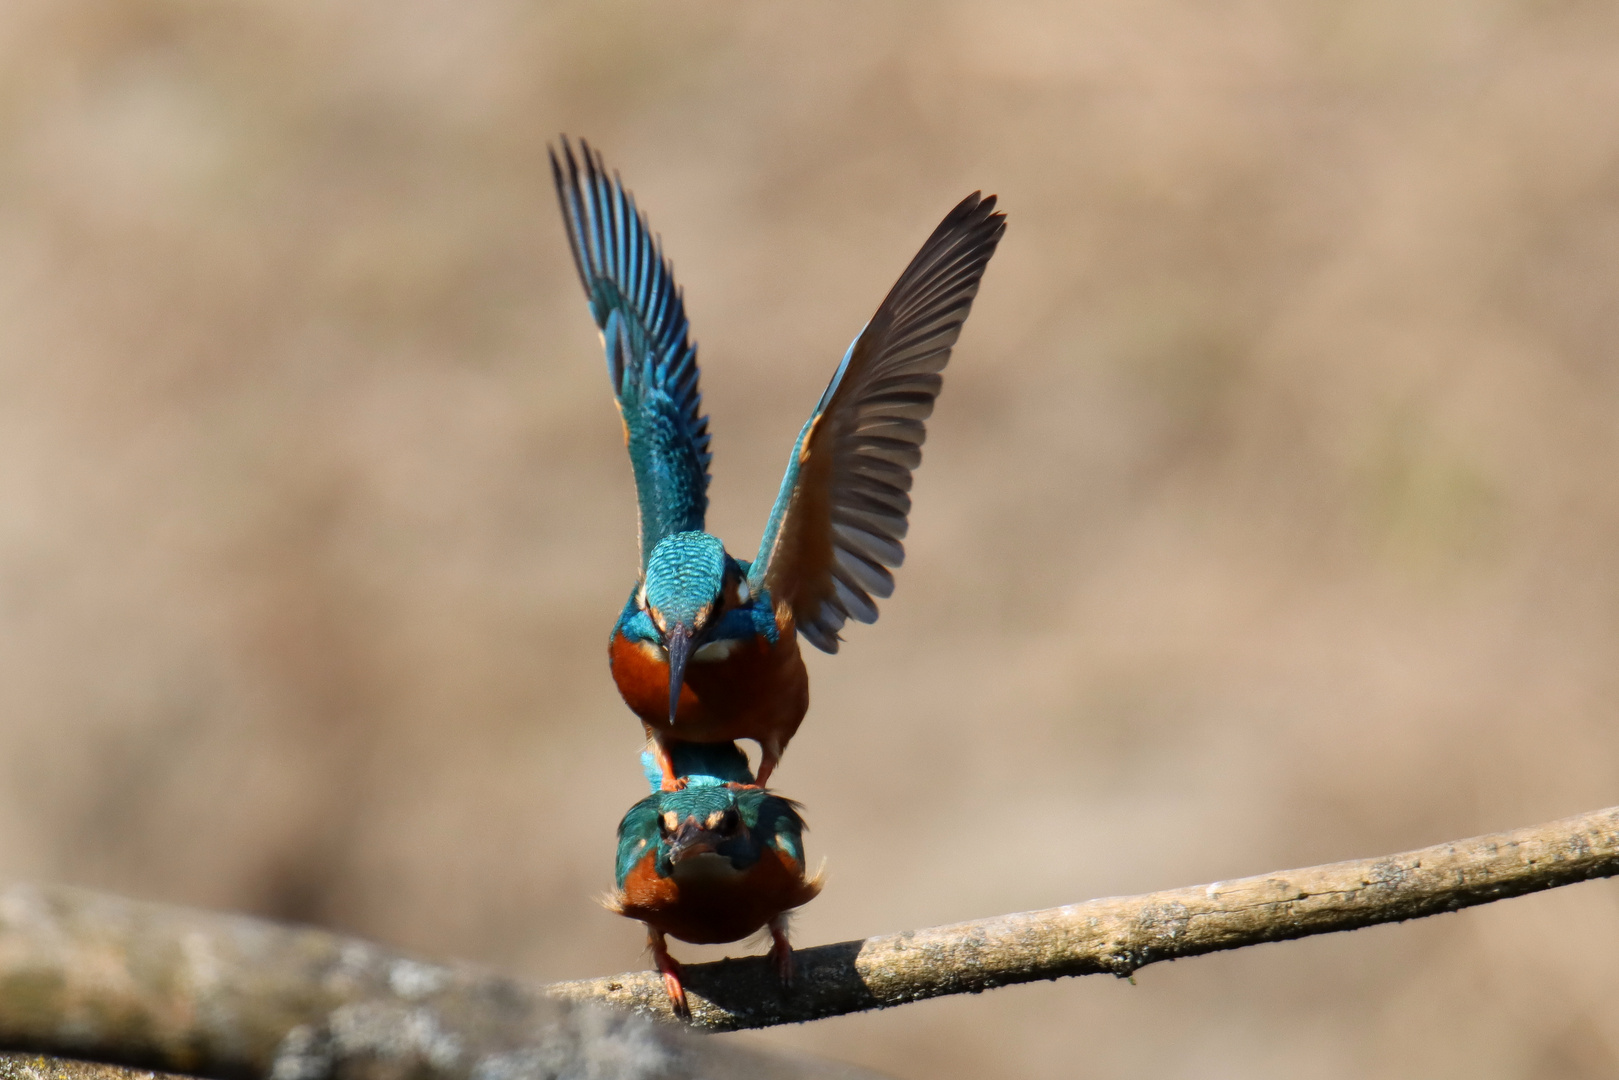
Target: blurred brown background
point(1269, 516)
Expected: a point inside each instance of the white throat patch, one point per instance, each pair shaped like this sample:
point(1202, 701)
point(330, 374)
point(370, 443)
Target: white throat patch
point(715, 650)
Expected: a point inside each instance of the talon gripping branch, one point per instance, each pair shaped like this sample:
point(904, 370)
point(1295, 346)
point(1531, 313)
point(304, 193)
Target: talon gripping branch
point(705, 651)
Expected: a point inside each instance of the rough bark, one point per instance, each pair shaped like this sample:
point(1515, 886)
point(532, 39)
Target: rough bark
point(41, 1067)
point(1120, 935)
point(91, 976)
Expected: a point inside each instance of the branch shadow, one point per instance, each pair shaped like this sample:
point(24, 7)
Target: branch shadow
point(826, 982)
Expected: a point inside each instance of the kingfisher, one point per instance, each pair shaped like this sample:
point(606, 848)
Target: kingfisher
point(711, 862)
point(706, 648)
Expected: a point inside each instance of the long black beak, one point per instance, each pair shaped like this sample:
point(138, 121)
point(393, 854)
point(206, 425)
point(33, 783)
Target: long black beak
point(691, 839)
point(678, 642)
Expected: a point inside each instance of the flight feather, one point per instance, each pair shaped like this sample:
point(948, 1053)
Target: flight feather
point(837, 527)
point(651, 359)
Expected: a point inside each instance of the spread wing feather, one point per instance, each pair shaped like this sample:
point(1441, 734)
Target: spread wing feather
point(650, 358)
point(836, 529)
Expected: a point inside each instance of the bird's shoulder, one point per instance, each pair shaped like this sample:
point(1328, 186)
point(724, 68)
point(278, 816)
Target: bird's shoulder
point(754, 618)
point(637, 837)
point(773, 821)
point(634, 623)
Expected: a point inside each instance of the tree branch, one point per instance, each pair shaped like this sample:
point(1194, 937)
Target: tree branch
point(41, 1067)
point(95, 976)
point(1121, 935)
point(86, 975)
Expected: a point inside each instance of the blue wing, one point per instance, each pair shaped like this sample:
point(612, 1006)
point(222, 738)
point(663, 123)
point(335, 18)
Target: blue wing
point(637, 831)
point(650, 358)
point(839, 520)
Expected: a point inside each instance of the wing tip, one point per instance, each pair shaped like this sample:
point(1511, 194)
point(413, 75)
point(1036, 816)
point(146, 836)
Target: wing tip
point(976, 208)
point(820, 637)
point(594, 166)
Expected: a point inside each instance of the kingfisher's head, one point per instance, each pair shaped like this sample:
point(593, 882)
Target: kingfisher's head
point(705, 821)
point(690, 582)
point(710, 833)
point(699, 831)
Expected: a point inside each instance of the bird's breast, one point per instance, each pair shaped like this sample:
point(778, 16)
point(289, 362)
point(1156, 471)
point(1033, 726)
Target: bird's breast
point(706, 903)
point(733, 686)
point(706, 870)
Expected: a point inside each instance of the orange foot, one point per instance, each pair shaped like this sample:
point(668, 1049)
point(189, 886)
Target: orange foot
point(781, 950)
point(666, 762)
point(670, 967)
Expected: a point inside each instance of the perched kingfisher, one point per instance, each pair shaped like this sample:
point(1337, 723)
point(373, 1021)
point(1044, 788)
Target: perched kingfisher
point(714, 861)
point(706, 649)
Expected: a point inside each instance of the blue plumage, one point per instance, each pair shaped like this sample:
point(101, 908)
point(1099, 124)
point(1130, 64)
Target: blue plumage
point(650, 359)
point(837, 527)
point(744, 824)
point(685, 574)
point(700, 765)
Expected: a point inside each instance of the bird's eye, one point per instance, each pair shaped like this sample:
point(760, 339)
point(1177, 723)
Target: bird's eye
point(728, 822)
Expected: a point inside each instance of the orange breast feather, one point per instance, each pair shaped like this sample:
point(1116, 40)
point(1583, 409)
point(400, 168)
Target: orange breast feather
point(716, 910)
point(758, 691)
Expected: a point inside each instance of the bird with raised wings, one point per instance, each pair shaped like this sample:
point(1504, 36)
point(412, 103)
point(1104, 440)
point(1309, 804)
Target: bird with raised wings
point(706, 648)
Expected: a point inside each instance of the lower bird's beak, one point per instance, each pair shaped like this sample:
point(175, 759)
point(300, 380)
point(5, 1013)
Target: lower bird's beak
point(691, 839)
point(678, 642)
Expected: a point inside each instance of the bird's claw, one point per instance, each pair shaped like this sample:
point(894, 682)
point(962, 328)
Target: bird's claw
point(677, 994)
